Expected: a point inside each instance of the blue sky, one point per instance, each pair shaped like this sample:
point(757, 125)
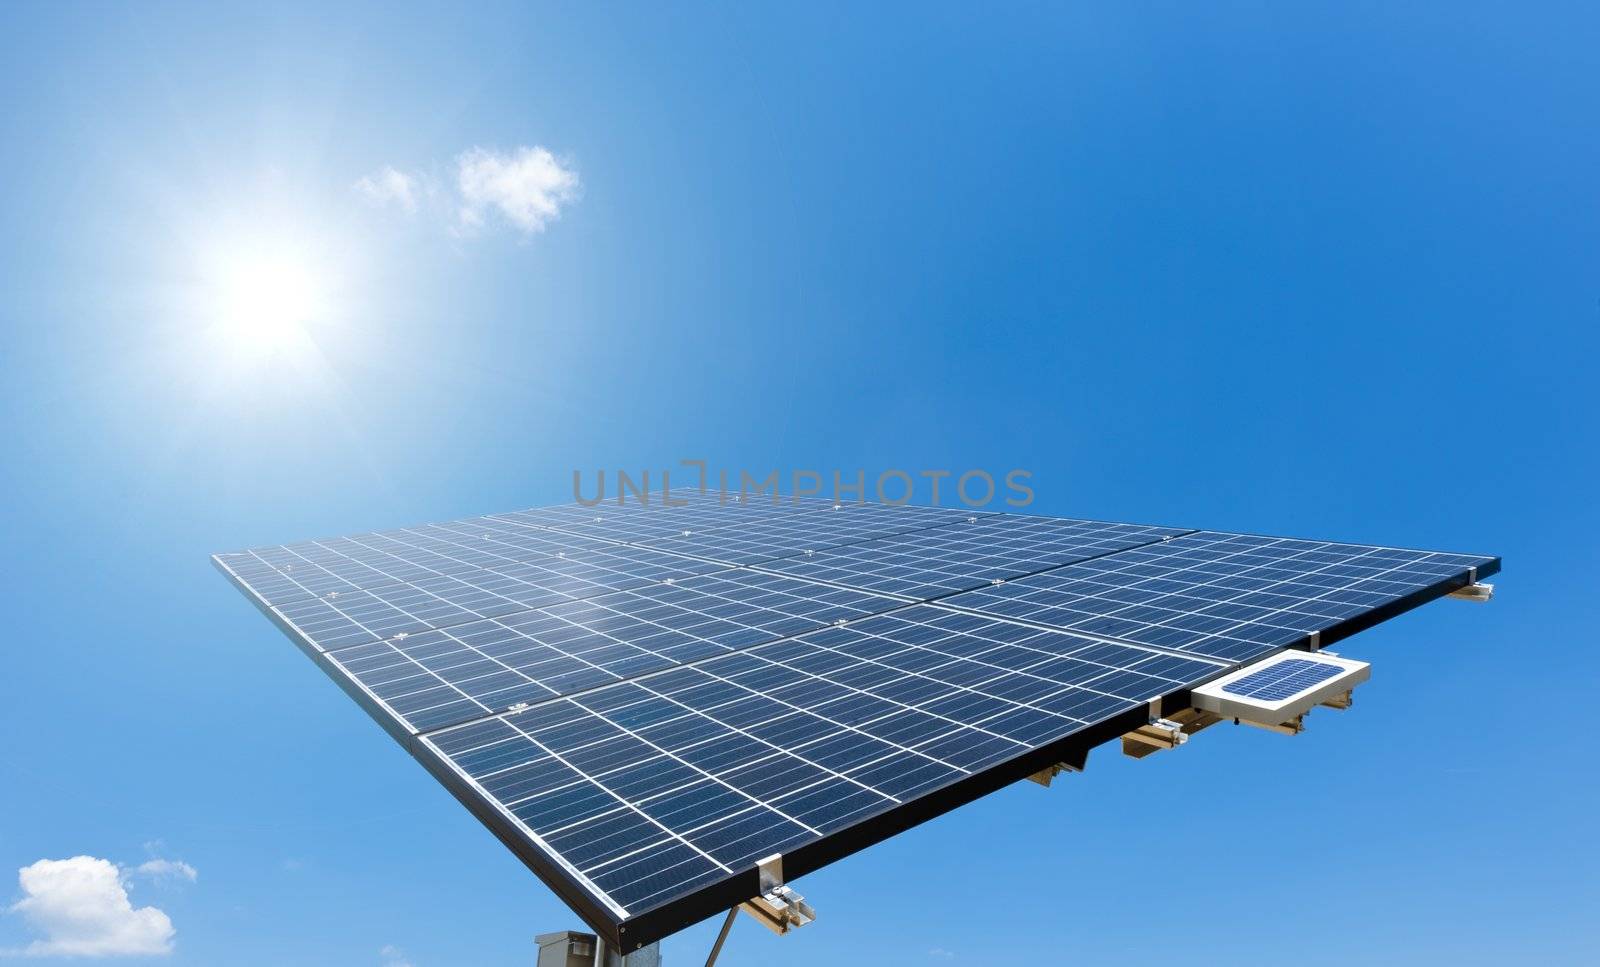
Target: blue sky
point(1327, 271)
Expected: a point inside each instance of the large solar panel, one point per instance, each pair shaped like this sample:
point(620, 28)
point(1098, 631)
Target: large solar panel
point(642, 702)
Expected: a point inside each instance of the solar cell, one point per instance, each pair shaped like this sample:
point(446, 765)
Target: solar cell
point(1283, 679)
point(703, 514)
point(966, 553)
point(312, 569)
point(651, 787)
point(768, 539)
point(342, 619)
point(1230, 596)
point(436, 678)
point(630, 522)
point(643, 704)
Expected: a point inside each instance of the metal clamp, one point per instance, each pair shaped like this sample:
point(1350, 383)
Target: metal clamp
point(778, 908)
point(1160, 733)
point(1166, 733)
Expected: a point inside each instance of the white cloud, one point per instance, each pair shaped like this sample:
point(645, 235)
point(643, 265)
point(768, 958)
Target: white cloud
point(81, 907)
point(942, 953)
point(387, 186)
point(393, 957)
point(159, 869)
point(528, 187)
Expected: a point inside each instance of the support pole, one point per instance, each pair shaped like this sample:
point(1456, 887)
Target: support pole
point(716, 948)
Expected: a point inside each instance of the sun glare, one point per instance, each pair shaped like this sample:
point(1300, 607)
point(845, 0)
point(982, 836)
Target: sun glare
point(267, 295)
point(266, 301)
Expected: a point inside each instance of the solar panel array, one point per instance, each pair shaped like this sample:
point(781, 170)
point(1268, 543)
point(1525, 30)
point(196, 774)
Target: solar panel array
point(643, 701)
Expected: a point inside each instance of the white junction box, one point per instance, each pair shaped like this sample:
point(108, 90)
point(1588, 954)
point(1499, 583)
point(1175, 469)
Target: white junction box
point(1277, 689)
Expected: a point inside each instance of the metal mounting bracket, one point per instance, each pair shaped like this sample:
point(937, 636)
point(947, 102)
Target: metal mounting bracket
point(1342, 701)
point(778, 908)
point(1158, 734)
point(1476, 591)
point(1045, 775)
point(1152, 738)
point(1293, 726)
point(1075, 764)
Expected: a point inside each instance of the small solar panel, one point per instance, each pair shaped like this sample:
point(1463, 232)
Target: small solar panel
point(1282, 680)
point(641, 702)
point(1280, 688)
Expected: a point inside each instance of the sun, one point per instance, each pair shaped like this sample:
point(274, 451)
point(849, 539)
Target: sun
point(271, 293)
point(267, 299)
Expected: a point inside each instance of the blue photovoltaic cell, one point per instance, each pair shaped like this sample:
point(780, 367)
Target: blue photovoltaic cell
point(632, 523)
point(774, 537)
point(313, 569)
point(966, 553)
point(1229, 596)
point(644, 701)
point(1283, 680)
point(665, 782)
point(430, 599)
point(702, 516)
point(438, 677)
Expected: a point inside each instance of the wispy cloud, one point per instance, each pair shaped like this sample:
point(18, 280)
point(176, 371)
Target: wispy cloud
point(942, 954)
point(386, 186)
point(525, 189)
point(81, 907)
point(161, 869)
point(394, 957)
